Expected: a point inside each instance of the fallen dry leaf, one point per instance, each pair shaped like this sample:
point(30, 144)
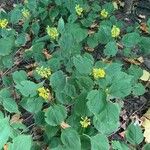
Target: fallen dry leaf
point(64, 125)
point(146, 125)
point(132, 61)
point(140, 59)
point(16, 119)
point(6, 147)
point(47, 55)
point(144, 27)
point(147, 135)
point(145, 76)
point(89, 49)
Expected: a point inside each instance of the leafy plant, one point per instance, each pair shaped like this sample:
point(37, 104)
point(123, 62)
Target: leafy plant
point(67, 74)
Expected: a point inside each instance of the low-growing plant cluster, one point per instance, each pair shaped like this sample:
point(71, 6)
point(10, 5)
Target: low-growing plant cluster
point(62, 61)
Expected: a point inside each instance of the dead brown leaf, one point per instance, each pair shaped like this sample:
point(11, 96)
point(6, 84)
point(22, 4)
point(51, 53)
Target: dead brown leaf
point(64, 125)
point(16, 119)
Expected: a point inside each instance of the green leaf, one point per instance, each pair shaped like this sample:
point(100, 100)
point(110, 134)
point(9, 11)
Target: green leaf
point(96, 101)
point(80, 107)
point(146, 147)
point(61, 25)
point(99, 142)
point(21, 142)
point(6, 45)
point(104, 34)
point(58, 81)
point(5, 93)
point(10, 105)
point(121, 85)
point(108, 120)
point(138, 89)
point(21, 39)
point(83, 64)
point(135, 71)
point(70, 139)
point(5, 131)
point(92, 41)
point(131, 39)
point(35, 28)
point(111, 49)
point(19, 76)
point(7, 61)
point(27, 88)
point(32, 105)
point(134, 134)
point(144, 45)
point(85, 83)
point(117, 145)
point(55, 115)
point(16, 15)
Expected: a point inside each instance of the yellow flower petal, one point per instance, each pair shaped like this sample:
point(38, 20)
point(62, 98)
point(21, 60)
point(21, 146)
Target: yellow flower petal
point(98, 73)
point(115, 31)
point(104, 13)
point(79, 10)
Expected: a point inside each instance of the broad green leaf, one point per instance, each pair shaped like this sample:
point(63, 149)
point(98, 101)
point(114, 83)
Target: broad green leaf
point(131, 39)
point(70, 90)
point(55, 115)
point(5, 131)
point(121, 85)
point(61, 25)
point(108, 120)
point(32, 5)
point(85, 142)
point(21, 39)
point(50, 131)
point(104, 34)
point(85, 83)
point(134, 134)
point(19, 76)
point(146, 147)
point(7, 61)
point(96, 101)
point(58, 81)
point(27, 88)
point(32, 105)
point(83, 64)
point(138, 89)
point(135, 71)
point(6, 45)
point(15, 15)
point(35, 28)
point(80, 107)
point(144, 45)
point(117, 145)
point(71, 139)
point(4, 93)
point(10, 105)
point(111, 49)
point(21, 142)
point(92, 41)
point(99, 142)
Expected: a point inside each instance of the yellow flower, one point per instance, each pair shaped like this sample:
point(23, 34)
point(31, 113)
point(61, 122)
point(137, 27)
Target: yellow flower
point(85, 122)
point(79, 10)
point(44, 93)
point(115, 31)
point(3, 23)
point(43, 72)
point(25, 13)
point(98, 73)
point(52, 32)
point(104, 13)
